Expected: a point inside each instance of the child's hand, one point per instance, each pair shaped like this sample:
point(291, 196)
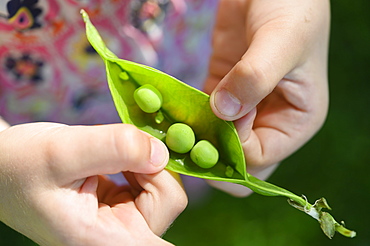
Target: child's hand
point(268, 73)
point(52, 189)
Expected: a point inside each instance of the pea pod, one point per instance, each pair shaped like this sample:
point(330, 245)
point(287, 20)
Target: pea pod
point(180, 103)
point(184, 104)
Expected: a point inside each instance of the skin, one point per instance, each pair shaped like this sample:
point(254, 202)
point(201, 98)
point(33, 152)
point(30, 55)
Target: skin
point(54, 191)
point(268, 74)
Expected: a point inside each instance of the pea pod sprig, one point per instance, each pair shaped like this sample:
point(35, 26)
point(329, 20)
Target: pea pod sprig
point(181, 103)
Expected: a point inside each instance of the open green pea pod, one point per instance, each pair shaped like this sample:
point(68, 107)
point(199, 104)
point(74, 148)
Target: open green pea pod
point(181, 103)
point(185, 104)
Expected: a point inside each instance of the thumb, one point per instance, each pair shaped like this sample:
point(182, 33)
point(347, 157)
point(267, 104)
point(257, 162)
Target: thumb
point(269, 58)
point(81, 151)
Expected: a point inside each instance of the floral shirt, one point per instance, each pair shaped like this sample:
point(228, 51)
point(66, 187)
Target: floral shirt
point(49, 72)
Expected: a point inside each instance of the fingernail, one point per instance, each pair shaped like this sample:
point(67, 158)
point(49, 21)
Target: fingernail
point(226, 103)
point(158, 152)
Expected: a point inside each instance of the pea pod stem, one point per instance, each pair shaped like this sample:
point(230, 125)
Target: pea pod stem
point(327, 222)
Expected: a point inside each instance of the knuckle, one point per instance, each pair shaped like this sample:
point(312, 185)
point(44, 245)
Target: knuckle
point(174, 192)
point(181, 201)
point(257, 75)
point(131, 145)
point(54, 150)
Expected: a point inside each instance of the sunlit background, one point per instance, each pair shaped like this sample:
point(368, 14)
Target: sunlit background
point(334, 164)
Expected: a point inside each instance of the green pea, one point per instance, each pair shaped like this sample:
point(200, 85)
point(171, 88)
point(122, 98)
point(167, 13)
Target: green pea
point(204, 154)
point(148, 98)
point(180, 138)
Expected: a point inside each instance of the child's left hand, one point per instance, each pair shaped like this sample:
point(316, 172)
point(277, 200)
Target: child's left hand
point(54, 190)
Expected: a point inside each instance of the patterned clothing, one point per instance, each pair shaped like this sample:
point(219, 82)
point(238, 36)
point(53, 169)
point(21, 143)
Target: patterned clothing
point(49, 72)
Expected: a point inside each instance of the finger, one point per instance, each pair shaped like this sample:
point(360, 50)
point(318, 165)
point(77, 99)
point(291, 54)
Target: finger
point(228, 41)
point(271, 143)
point(81, 151)
point(162, 200)
point(273, 52)
point(120, 224)
point(230, 188)
point(245, 124)
point(135, 187)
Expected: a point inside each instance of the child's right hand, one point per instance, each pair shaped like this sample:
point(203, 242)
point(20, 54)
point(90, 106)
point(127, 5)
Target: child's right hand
point(268, 74)
point(53, 190)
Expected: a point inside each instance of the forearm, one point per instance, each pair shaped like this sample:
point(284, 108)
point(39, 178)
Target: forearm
point(3, 124)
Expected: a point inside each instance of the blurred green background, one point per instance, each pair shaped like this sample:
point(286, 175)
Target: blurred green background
point(334, 164)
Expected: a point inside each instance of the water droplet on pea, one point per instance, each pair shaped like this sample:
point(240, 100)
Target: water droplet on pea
point(124, 76)
point(159, 118)
point(229, 171)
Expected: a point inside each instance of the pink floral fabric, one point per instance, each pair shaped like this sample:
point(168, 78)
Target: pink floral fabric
point(49, 72)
